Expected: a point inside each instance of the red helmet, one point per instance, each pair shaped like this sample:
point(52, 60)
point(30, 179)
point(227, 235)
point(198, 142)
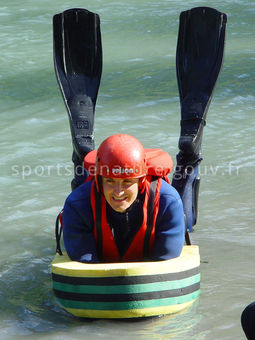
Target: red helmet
point(121, 156)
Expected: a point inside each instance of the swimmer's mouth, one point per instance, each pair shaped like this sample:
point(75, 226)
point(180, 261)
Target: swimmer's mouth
point(119, 199)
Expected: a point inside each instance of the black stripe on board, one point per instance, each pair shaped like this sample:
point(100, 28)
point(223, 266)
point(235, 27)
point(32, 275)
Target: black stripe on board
point(125, 280)
point(127, 297)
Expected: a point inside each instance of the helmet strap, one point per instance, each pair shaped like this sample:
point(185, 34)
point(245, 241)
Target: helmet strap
point(99, 185)
point(142, 184)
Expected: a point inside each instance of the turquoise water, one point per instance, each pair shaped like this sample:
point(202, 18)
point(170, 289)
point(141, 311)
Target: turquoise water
point(138, 95)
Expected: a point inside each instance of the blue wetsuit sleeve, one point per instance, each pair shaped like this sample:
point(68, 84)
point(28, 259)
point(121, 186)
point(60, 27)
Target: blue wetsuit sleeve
point(170, 228)
point(78, 236)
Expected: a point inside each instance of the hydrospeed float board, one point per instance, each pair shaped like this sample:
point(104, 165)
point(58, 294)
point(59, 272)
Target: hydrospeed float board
point(127, 290)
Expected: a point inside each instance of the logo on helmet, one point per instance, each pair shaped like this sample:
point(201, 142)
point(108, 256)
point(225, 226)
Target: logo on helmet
point(120, 171)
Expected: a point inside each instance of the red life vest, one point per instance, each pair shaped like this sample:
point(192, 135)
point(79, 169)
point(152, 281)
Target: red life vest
point(159, 164)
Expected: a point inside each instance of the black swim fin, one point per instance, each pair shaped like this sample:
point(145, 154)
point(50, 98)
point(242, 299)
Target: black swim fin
point(78, 66)
point(199, 58)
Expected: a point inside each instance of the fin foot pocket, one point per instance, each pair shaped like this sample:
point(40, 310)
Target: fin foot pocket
point(193, 115)
point(82, 124)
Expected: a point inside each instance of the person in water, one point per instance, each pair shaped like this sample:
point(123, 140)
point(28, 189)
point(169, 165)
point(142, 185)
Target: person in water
point(126, 212)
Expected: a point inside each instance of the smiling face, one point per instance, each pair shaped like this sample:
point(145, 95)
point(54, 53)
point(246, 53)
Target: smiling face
point(120, 193)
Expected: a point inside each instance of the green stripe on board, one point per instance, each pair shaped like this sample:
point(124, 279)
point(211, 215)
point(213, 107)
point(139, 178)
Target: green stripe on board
point(163, 294)
point(126, 289)
point(127, 305)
